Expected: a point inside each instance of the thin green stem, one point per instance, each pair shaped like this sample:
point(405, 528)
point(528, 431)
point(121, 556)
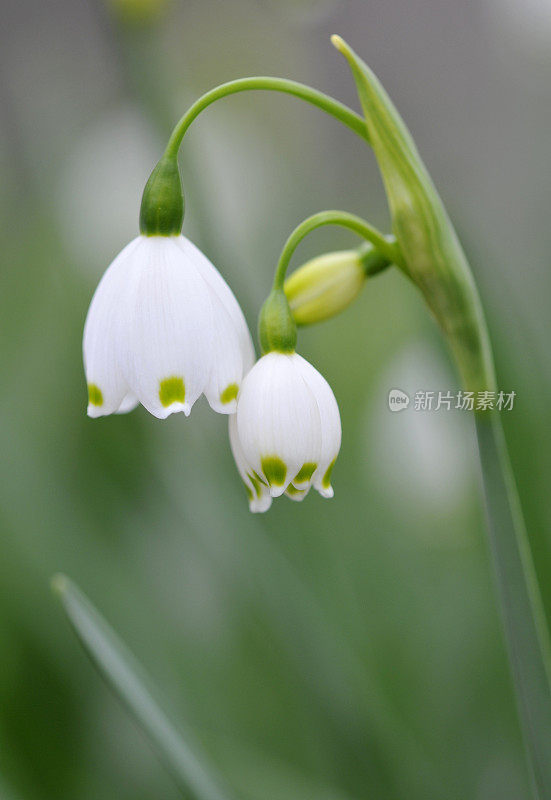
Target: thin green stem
point(386, 245)
point(522, 612)
point(338, 110)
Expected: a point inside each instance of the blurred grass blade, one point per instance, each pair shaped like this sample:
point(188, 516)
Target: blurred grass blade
point(126, 677)
point(521, 607)
point(5, 793)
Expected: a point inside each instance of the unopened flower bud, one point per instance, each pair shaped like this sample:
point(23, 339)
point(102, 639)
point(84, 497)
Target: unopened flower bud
point(138, 12)
point(326, 285)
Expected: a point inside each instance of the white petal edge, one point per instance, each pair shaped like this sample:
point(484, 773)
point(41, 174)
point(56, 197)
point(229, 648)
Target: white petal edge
point(227, 361)
point(261, 499)
point(102, 331)
point(128, 404)
point(331, 430)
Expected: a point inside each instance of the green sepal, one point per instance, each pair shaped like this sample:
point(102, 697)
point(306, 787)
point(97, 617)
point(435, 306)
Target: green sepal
point(277, 329)
point(433, 256)
point(162, 209)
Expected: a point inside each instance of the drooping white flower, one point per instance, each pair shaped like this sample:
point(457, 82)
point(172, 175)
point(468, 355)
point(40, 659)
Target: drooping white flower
point(162, 328)
point(287, 431)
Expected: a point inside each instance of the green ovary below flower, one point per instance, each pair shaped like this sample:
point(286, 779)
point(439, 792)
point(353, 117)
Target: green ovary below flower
point(286, 433)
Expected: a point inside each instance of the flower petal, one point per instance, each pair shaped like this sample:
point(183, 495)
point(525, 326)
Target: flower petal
point(166, 345)
point(225, 295)
point(331, 432)
point(227, 362)
point(107, 386)
point(257, 492)
point(129, 403)
point(295, 494)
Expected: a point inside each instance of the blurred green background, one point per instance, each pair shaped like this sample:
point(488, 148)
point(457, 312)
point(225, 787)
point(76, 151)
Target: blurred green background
point(331, 650)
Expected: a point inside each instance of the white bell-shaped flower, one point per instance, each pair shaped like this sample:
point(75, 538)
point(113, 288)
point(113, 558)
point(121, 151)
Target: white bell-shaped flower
point(162, 328)
point(287, 432)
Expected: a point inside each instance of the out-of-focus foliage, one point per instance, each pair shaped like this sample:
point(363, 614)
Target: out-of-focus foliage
point(337, 649)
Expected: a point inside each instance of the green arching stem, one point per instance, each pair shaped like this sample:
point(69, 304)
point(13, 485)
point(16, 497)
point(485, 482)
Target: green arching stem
point(372, 260)
point(386, 245)
point(338, 110)
point(162, 207)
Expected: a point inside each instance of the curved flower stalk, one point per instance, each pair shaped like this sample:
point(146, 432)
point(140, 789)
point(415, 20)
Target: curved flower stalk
point(163, 325)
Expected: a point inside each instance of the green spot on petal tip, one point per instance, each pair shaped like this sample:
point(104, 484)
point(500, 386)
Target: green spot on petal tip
point(95, 397)
point(326, 480)
point(229, 393)
point(274, 469)
point(305, 473)
point(292, 491)
point(172, 390)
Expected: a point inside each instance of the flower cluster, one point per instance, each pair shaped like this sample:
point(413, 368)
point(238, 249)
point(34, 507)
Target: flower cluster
point(164, 327)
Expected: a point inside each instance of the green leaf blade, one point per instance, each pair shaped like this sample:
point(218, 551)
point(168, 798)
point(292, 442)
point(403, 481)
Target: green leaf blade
point(526, 631)
point(126, 677)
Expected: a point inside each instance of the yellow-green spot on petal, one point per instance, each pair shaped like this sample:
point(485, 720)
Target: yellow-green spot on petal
point(274, 469)
point(95, 397)
point(249, 492)
point(229, 393)
point(292, 491)
point(326, 480)
point(305, 473)
point(172, 390)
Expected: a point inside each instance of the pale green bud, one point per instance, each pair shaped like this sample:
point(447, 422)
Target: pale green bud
point(327, 285)
point(138, 12)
